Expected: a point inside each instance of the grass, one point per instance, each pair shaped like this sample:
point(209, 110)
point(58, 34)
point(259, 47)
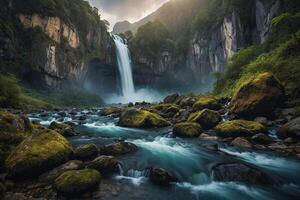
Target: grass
point(278, 55)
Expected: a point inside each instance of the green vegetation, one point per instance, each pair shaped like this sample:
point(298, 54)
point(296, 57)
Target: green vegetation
point(153, 38)
point(14, 94)
point(279, 55)
point(9, 92)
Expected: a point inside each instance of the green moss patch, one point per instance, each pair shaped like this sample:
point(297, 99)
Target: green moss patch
point(237, 128)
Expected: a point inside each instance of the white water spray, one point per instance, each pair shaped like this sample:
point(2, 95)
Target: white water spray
point(124, 65)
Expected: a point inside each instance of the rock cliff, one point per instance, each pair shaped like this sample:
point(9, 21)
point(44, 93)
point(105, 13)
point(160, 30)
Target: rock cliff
point(58, 47)
point(208, 49)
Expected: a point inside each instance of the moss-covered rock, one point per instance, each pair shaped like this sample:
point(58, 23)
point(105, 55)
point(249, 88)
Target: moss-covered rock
point(141, 119)
point(257, 97)
point(38, 153)
point(168, 110)
point(118, 149)
point(208, 102)
point(51, 175)
point(64, 129)
point(77, 181)
point(111, 111)
point(187, 129)
point(206, 118)
point(85, 152)
point(104, 164)
point(237, 128)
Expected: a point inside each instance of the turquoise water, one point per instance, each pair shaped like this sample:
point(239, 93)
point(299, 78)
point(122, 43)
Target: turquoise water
point(187, 159)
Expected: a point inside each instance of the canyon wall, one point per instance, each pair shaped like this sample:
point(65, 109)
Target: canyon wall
point(208, 52)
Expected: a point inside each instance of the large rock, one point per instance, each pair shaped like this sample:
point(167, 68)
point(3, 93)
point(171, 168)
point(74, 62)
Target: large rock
point(241, 142)
point(206, 118)
point(257, 97)
point(160, 176)
point(238, 172)
point(290, 129)
point(142, 119)
point(116, 111)
point(51, 175)
point(171, 98)
point(187, 129)
point(239, 128)
point(261, 138)
point(38, 153)
point(206, 102)
point(86, 152)
point(77, 181)
point(168, 110)
point(64, 129)
point(104, 164)
point(118, 149)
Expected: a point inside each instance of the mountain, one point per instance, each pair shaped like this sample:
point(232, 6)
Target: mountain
point(175, 14)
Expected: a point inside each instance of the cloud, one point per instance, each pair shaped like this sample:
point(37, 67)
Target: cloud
point(120, 10)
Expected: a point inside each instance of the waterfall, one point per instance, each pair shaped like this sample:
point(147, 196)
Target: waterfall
point(124, 65)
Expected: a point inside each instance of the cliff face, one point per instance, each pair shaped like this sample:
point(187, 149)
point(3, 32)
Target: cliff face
point(209, 52)
point(56, 67)
point(58, 48)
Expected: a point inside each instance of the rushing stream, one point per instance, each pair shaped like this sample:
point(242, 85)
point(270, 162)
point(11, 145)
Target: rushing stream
point(187, 159)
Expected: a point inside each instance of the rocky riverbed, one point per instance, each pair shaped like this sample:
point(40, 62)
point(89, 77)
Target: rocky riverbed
point(186, 147)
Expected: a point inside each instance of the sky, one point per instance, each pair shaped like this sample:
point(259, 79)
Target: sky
point(119, 10)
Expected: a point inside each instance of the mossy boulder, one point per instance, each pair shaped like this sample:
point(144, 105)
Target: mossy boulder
point(257, 97)
point(187, 129)
point(208, 102)
point(64, 129)
point(239, 128)
point(168, 110)
point(142, 119)
point(118, 149)
point(38, 153)
point(206, 118)
point(116, 111)
point(51, 175)
point(85, 152)
point(104, 164)
point(77, 181)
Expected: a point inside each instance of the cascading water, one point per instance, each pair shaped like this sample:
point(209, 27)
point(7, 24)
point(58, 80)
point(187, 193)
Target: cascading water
point(124, 65)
